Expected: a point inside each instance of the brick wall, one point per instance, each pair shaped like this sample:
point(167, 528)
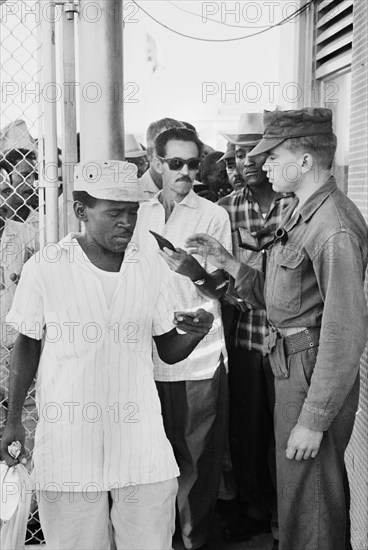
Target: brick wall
point(357, 453)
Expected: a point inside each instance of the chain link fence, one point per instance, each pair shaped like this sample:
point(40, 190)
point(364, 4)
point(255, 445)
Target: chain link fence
point(19, 197)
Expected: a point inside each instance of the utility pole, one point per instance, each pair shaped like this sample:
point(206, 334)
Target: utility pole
point(101, 79)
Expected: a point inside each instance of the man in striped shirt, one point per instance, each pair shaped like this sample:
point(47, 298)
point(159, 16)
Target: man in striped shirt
point(255, 213)
point(86, 309)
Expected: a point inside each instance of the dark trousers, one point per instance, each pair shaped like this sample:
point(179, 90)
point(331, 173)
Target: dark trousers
point(195, 414)
point(251, 435)
point(313, 495)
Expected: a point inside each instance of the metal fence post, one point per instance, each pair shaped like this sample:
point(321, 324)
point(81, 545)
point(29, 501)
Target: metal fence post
point(69, 123)
point(49, 169)
point(101, 79)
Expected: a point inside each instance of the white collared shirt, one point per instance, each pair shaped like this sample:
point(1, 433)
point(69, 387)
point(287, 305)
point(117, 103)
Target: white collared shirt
point(193, 214)
point(100, 421)
point(149, 187)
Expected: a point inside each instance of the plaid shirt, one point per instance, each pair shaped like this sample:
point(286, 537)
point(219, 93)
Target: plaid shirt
point(245, 214)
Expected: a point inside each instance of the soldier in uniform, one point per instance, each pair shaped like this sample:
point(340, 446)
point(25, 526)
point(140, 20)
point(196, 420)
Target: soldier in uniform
point(314, 298)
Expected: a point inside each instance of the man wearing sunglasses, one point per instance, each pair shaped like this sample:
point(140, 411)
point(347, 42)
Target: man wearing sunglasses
point(193, 393)
point(151, 180)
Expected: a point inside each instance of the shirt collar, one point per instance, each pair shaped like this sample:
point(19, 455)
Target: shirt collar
point(66, 241)
point(191, 200)
point(248, 195)
point(147, 181)
point(317, 198)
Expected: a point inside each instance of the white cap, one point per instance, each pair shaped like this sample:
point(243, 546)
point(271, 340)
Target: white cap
point(112, 180)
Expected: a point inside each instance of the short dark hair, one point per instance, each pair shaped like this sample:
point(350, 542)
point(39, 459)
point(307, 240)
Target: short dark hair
point(322, 146)
point(85, 198)
point(177, 134)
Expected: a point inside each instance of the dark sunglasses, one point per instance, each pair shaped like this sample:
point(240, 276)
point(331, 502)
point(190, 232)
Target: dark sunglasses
point(177, 163)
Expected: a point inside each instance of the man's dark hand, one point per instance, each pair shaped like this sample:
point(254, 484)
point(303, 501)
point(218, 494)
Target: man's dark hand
point(13, 432)
point(183, 263)
point(197, 323)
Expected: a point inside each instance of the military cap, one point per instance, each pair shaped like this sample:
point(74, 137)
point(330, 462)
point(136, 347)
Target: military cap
point(282, 125)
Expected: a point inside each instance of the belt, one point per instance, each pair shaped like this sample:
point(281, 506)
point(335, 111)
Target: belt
point(300, 341)
point(290, 330)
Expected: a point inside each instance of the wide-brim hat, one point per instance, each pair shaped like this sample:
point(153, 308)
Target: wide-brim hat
point(133, 148)
point(112, 180)
point(15, 135)
point(282, 125)
point(250, 130)
point(226, 156)
point(230, 152)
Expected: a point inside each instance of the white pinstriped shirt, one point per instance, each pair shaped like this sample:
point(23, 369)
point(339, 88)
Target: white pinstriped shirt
point(100, 421)
point(193, 214)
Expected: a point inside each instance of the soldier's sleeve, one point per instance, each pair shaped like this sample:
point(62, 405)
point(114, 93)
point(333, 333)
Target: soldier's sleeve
point(247, 288)
point(339, 269)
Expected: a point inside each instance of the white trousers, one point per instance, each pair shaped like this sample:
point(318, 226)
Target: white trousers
point(142, 518)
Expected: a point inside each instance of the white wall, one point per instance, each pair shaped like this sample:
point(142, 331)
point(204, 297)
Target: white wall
point(250, 68)
point(194, 80)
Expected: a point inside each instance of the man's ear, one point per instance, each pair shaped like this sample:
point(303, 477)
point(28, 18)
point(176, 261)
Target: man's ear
point(157, 165)
point(307, 163)
point(80, 210)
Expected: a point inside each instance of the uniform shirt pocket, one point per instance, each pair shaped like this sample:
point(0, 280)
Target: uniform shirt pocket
point(286, 285)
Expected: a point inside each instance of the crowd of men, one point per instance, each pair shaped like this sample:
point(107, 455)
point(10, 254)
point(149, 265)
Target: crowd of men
point(230, 328)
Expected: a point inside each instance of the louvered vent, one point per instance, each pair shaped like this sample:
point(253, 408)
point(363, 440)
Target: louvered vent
point(334, 36)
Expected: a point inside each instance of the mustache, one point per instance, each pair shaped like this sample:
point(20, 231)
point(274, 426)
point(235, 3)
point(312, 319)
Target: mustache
point(184, 178)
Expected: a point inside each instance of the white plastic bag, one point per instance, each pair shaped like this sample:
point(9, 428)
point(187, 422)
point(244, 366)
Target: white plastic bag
point(16, 494)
